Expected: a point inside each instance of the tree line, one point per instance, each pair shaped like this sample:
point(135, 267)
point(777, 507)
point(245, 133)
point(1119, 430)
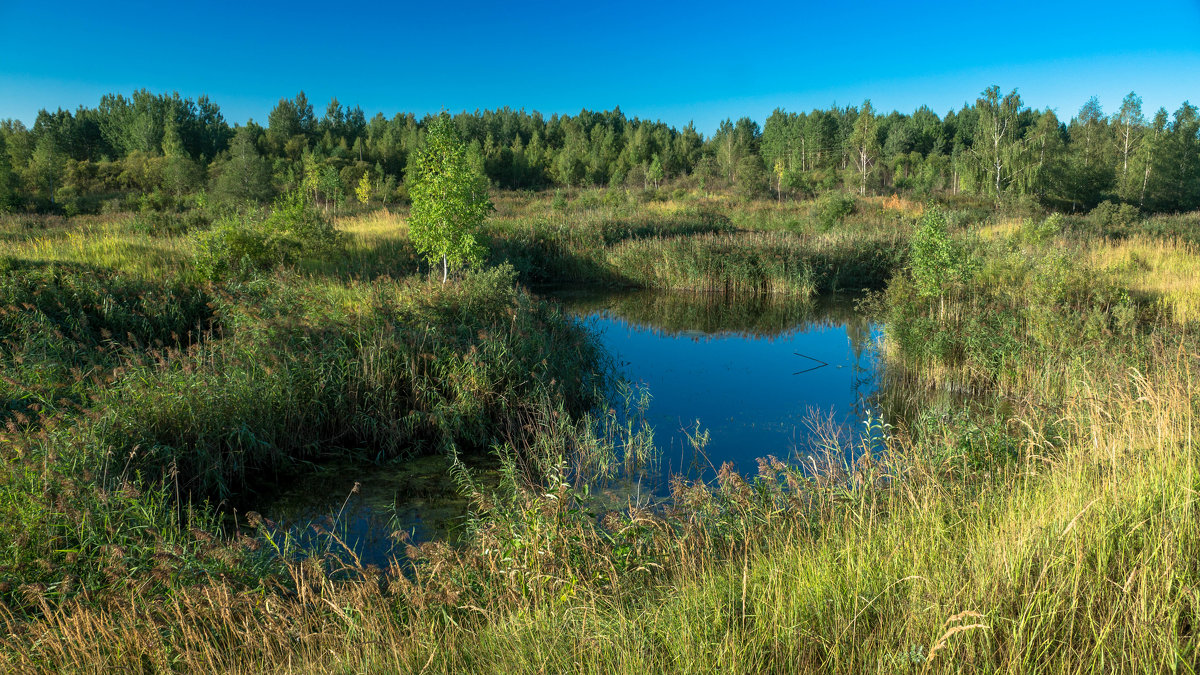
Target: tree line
point(164, 151)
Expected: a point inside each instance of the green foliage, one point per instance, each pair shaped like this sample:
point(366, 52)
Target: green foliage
point(1035, 302)
point(654, 172)
point(831, 208)
point(244, 177)
point(421, 368)
point(934, 260)
point(863, 146)
point(249, 243)
point(363, 191)
point(996, 148)
point(751, 178)
point(449, 200)
point(8, 180)
point(1034, 233)
point(1108, 215)
point(62, 320)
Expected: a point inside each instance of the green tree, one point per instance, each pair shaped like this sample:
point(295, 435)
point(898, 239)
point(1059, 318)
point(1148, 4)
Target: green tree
point(1131, 127)
point(449, 199)
point(7, 179)
point(655, 171)
point(864, 144)
point(997, 137)
point(363, 191)
point(245, 176)
point(330, 185)
point(1152, 153)
point(1183, 156)
point(46, 165)
point(934, 261)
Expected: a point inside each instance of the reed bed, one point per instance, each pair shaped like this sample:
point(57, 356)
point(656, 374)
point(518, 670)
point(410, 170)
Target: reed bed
point(1075, 556)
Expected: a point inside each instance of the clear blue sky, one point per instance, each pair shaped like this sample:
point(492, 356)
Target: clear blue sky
point(682, 61)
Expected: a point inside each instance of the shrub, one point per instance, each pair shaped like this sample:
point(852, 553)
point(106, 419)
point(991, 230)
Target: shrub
point(935, 260)
point(245, 245)
point(1107, 215)
point(833, 207)
point(1033, 232)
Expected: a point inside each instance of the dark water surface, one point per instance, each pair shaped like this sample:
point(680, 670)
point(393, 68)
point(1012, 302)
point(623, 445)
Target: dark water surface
point(755, 373)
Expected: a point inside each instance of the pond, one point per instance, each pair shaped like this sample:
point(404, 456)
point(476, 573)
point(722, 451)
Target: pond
point(760, 375)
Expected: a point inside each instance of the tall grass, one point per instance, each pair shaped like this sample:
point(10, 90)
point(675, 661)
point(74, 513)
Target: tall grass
point(1077, 556)
point(1163, 270)
point(699, 245)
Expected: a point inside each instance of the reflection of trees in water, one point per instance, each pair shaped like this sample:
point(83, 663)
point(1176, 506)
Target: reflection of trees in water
point(706, 315)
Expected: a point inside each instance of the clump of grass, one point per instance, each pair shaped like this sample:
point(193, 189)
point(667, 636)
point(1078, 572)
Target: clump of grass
point(415, 369)
point(698, 245)
point(758, 263)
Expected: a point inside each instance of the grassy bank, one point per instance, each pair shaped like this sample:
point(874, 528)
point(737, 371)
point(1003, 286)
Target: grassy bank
point(1037, 510)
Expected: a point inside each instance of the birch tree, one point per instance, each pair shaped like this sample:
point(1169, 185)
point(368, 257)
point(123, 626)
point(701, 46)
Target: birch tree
point(449, 200)
point(1130, 127)
point(864, 145)
point(996, 136)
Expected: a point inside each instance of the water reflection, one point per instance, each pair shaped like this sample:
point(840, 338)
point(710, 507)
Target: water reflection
point(757, 373)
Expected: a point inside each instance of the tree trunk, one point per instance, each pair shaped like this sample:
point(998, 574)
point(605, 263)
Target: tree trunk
point(445, 268)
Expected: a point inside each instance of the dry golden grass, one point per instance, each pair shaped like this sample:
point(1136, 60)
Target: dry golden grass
point(1165, 269)
point(902, 205)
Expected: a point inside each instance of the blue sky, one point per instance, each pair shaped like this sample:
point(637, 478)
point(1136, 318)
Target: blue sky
point(696, 61)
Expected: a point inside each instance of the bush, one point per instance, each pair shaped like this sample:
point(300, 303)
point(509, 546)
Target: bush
point(1107, 215)
point(245, 245)
point(833, 207)
point(1033, 232)
point(935, 260)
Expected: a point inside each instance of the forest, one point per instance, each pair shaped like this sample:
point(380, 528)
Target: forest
point(161, 152)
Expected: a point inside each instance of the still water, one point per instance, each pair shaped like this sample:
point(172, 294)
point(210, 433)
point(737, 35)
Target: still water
point(761, 376)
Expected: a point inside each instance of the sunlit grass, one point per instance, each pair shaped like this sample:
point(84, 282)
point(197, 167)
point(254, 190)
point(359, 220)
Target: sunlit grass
point(1000, 228)
point(1165, 269)
point(102, 242)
